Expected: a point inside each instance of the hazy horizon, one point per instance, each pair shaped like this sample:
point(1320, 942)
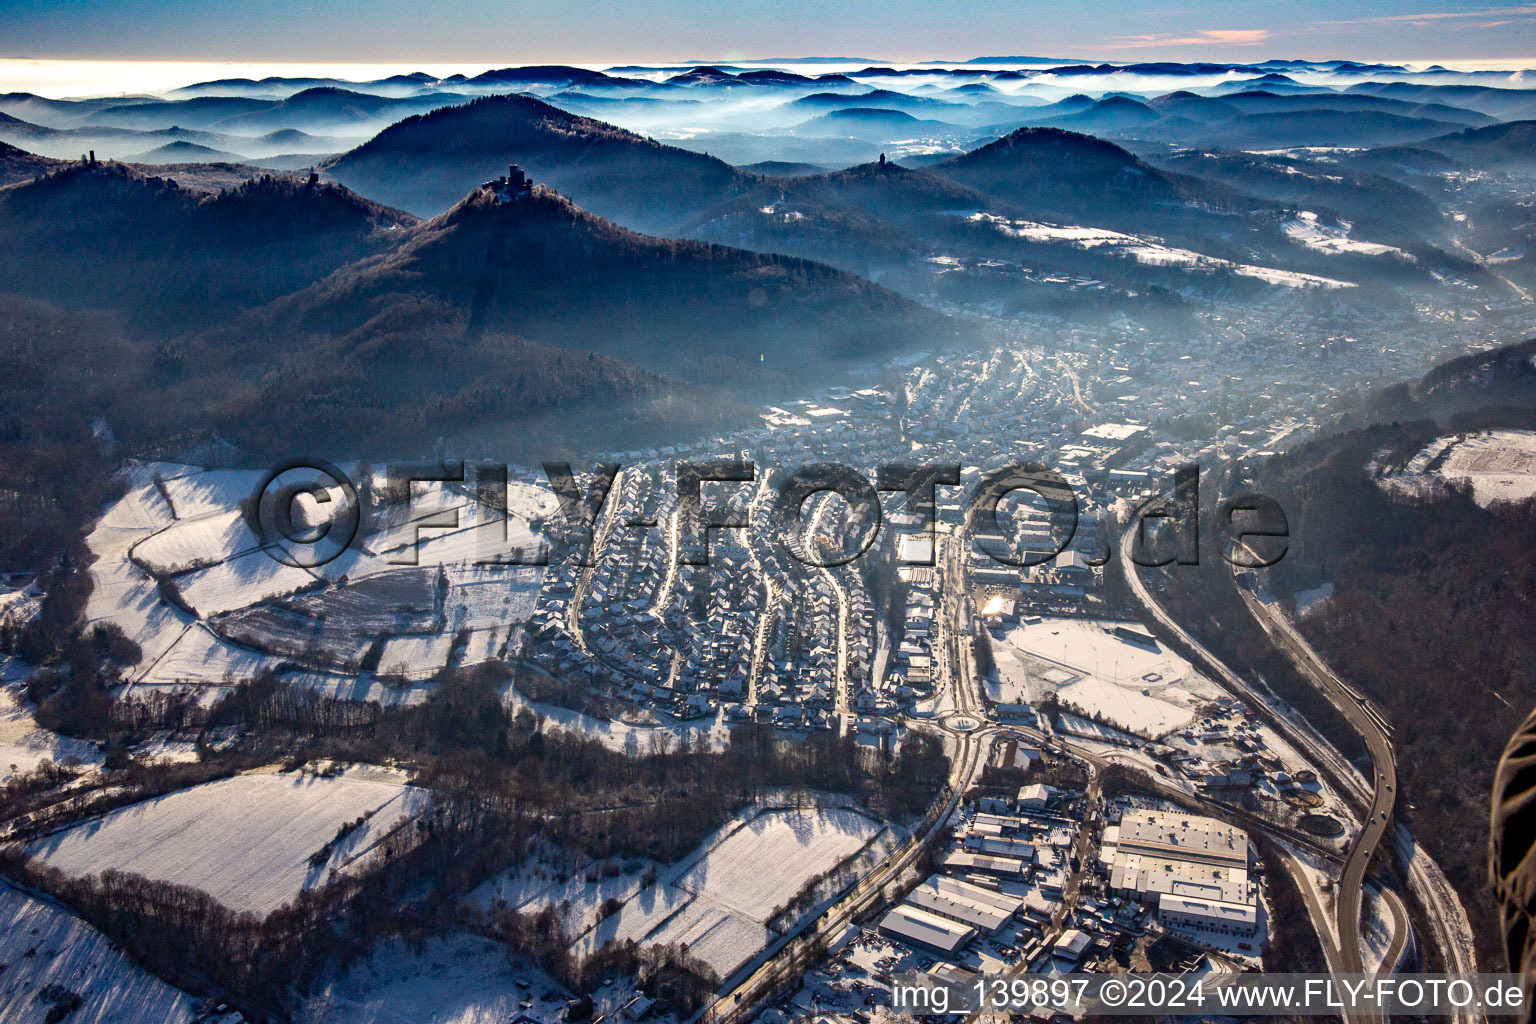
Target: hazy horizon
point(82, 78)
point(609, 32)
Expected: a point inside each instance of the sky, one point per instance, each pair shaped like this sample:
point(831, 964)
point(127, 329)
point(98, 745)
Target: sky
point(619, 31)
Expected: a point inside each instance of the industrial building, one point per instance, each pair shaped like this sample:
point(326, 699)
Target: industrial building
point(1005, 867)
point(1185, 913)
point(918, 927)
point(1001, 846)
point(1193, 869)
point(983, 909)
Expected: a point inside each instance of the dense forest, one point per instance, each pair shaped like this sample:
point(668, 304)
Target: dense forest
point(1431, 607)
point(284, 315)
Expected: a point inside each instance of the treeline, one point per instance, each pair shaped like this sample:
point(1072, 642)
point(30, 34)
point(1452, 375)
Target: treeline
point(677, 980)
point(577, 792)
point(1429, 617)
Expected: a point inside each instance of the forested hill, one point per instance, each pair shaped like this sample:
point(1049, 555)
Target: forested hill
point(1433, 595)
point(427, 163)
point(543, 268)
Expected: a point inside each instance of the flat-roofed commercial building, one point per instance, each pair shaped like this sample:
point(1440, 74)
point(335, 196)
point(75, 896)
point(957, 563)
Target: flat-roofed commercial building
point(1182, 854)
point(1193, 869)
point(982, 909)
point(918, 927)
point(979, 893)
point(964, 860)
point(1186, 913)
point(1175, 835)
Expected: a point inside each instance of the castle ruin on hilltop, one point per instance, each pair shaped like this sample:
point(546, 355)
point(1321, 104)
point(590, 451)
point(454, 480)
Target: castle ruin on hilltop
point(512, 186)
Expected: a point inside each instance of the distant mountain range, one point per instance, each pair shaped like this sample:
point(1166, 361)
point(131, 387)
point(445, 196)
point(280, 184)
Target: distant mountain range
point(949, 185)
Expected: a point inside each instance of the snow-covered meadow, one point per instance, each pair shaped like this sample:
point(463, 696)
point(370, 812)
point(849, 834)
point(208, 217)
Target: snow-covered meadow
point(181, 571)
point(24, 744)
point(454, 979)
point(720, 900)
point(50, 953)
point(247, 841)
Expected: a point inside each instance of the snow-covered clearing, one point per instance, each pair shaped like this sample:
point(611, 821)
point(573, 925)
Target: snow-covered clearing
point(416, 657)
point(536, 883)
point(1125, 707)
point(765, 860)
point(1309, 601)
point(721, 899)
point(42, 945)
point(1307, 229)
point(624, 736)
point(1083, 728)
point(363, 687)
point(196, 542)
point(455, 979)
point(205, 492)
point(24, 744)
point(200, 657)
point(246, 840)
point(1122, 679)
point(243, 580)
point(1499, 465)
point(1146, 250)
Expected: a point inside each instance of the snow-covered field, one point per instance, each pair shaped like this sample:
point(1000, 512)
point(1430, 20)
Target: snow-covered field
point(623, 736)
point(766, 860)
point(200, 657)
point(1125, 707)
point(1134, 685)
point(242, 581)
point(195, 542)
point(455, 979)
point(1309, 601)
point(1500, 465)
point(42, 945)
point(721, 899)
point(416, 657)
point(246, 840)
point(1148, 251)
point(1309, 230)
point(23, 745)
point(182, 526)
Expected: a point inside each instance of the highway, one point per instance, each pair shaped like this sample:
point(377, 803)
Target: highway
point(1441, 905)
point(1368, 723)
point(1452, 933)
point(1383, 790)
point(1345, 956)
point(798, 951)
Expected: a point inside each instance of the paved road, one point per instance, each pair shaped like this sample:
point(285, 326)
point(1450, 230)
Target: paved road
point(797, 954)
point(1368, 723)
point(1357, 712)
point(785, 965)
point(1442, 905)
point(1402, 931)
